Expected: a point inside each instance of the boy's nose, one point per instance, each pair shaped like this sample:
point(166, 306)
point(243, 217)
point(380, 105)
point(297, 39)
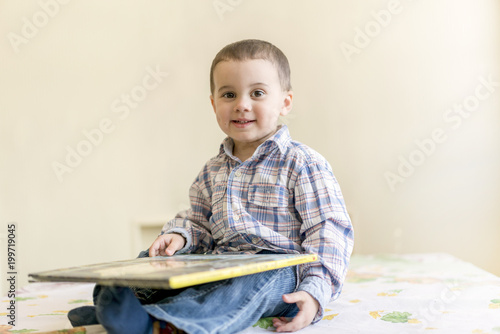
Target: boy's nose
point(242, 104)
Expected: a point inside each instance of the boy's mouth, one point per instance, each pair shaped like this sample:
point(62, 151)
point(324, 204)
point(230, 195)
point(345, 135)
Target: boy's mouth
point(242, 123)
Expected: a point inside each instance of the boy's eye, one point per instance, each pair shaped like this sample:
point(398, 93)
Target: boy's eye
point(258, 93)
point(229, 95)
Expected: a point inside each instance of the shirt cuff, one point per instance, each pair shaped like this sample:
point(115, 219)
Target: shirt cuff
point(185, 234)
point(319, 290)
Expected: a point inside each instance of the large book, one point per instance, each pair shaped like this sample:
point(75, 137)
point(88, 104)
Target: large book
point(173, 272)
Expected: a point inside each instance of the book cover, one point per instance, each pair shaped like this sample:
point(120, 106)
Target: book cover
point(173, 272)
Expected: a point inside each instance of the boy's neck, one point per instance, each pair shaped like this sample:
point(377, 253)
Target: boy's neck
point(243, 152)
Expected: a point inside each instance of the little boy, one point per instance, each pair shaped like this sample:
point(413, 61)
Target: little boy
point(263, 193)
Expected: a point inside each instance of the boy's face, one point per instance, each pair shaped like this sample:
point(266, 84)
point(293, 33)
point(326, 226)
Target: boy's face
point(248, 99)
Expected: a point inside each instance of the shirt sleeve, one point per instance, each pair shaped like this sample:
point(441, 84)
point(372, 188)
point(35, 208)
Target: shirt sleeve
point(326, 230)
point(194, 224)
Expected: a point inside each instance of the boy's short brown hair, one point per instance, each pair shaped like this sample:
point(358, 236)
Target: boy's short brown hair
point(254, 49)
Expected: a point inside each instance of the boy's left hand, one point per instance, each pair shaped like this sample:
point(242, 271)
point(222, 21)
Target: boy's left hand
point(308, 307)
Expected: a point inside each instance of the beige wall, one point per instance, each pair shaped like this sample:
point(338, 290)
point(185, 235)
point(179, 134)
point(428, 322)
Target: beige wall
point(371, 80)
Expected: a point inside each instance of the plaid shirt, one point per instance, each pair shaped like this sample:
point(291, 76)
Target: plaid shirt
point(285, 198)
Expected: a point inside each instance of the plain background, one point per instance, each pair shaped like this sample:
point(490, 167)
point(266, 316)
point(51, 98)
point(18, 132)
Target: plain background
point(373, 81)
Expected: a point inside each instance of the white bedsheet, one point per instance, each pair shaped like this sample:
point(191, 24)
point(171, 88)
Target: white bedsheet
point(433, 293)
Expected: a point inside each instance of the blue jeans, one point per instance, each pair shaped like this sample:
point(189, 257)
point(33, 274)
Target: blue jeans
point(227, 306)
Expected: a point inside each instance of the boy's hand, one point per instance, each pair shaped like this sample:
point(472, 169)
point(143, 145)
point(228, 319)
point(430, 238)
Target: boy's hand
point(308, 307)
point(167, 245)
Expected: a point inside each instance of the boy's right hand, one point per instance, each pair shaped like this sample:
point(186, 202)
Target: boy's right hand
point(167, 245)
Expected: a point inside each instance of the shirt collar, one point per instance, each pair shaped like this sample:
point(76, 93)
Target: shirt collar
point(280, 139)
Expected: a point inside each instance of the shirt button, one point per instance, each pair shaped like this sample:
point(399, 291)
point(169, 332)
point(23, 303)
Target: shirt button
point(255, 240)
point(238, 173)
point(236, 218)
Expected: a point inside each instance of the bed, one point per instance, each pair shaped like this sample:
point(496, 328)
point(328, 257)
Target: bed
point(435, 293)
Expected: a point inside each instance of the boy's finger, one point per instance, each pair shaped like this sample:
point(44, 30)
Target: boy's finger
point(292, 298)
point(153, 250)
point(175, 245)
point(289, 299)
point(156, 247)
point(297, 323)
point(278, 323)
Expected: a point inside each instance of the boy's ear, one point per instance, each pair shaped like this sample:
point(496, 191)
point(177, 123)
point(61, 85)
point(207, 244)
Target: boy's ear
point(287, 103)
point(212, 102)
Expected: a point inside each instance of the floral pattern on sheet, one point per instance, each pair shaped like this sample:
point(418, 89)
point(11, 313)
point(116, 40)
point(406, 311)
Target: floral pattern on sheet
point(416, 293)
point(43, 307)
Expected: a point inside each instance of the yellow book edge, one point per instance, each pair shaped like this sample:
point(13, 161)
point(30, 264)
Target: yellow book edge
point(186, 280)
point(76, 330)
point(89, 329)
